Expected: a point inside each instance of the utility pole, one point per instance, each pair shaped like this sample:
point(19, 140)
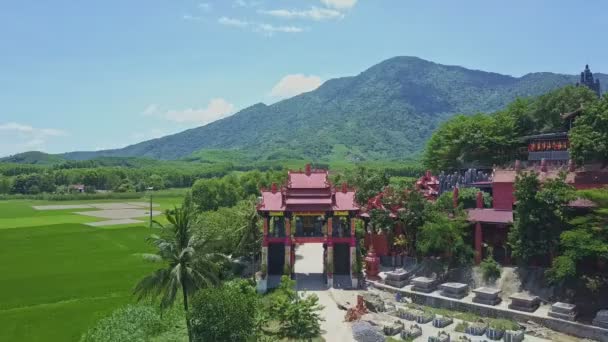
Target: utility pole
point(150, 190)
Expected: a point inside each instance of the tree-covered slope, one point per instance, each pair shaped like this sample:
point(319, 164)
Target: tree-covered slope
point(33, 157)
point(386, 112)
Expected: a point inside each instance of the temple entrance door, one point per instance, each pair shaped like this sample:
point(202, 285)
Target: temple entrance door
point(309, 267)
point(276, 258)
point(341, 259)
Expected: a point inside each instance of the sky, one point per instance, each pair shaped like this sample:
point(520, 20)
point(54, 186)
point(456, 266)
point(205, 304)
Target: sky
point(90, 75)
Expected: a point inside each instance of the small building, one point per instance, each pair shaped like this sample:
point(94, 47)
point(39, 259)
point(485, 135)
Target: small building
point(80, 188)
point(308, 209)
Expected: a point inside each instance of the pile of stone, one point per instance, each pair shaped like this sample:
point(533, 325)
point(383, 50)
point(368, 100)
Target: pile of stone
point(373, 302)
point(394, 328)
point(487, 296)
point(365, 332)
point(524, 302)
point(423, 284)
point(398, 278)
point(442, 336)
point(563, 311)
point(454, 290)
point(412, 332)
point(476, 329)
point(442, 321)
point(601, 319)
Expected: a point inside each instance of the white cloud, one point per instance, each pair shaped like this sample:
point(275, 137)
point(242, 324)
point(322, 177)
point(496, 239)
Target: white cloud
point(243, 3)
point(294, 84)
point(205, 6)
point(232, 22)
point(191, 17)
point(151, 110)
point(16, 137)
point(340, 4)
point(264, 28)
point(314, 13)
point(216, 109)
point(285, 29)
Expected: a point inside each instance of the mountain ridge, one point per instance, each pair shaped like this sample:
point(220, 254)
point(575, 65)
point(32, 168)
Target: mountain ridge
point(388, 111)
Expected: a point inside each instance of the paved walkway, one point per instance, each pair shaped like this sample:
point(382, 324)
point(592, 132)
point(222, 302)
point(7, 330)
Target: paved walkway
point(309, 278)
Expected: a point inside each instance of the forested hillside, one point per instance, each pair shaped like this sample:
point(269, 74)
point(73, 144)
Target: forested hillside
point(386, 112)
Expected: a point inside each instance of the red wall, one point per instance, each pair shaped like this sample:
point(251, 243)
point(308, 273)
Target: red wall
point(502, 194)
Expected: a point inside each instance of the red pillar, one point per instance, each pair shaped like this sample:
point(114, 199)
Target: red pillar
point(478, 242)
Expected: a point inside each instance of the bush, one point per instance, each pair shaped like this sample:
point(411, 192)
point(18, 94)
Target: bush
point(226, 313)
point(298, 317)
point(131, 323)
point(490, 269)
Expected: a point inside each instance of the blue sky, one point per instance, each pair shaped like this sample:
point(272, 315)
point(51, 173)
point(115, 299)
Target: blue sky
point(86, 75)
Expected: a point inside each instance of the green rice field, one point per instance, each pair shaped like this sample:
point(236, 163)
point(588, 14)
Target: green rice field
point(58, 276)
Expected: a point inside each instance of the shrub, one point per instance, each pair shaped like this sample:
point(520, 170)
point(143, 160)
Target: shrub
point(461, 327)
point(490, 269)
point(131, 323)
point(226, 313)
point(298, 317)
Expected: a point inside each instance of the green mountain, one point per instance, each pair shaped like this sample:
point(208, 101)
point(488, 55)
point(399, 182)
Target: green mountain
point(33, 157)
point(386, 112)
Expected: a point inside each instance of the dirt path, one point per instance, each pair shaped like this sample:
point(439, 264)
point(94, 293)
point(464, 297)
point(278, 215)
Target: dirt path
point(309, 268)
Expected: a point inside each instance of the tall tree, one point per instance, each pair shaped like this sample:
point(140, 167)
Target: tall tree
point(589, 137)
point(540, 216)
point(251, 235)
point(188, 263)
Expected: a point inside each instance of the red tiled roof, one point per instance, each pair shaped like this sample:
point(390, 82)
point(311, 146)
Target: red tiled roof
point(508, 176)
point(345, 201)
point(490, 215)
point(271, 202)
point(315, 180)
point(298, 201)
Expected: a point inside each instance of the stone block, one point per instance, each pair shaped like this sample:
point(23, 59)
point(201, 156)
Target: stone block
point(494, 334)
point(393, 329)
point(563, 311)
point(601, 319)
point(514, 336)
point(454, 290)
point(524, 302)
point(487, 296)
point(442, 336)
point(476, 329)
point(442, 321)
point(423, 284)
point(412, 332)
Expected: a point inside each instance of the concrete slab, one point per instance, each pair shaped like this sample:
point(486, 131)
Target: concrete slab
point(112, 222)
point(118, 214)
point(114, 206)
point(61, 207)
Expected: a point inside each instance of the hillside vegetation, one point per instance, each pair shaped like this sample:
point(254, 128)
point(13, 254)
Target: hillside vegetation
point(385, 113)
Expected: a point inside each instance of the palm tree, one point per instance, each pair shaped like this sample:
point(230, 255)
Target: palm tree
point(188, 264)
point(251, 236)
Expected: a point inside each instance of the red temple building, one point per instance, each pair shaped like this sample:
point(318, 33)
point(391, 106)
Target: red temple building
point(308, 209)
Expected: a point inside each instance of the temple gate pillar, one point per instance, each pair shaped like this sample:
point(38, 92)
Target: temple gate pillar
point(330, 263)
point(288, 245)
point(478, 242)
point(354, 277)
point(330, 226)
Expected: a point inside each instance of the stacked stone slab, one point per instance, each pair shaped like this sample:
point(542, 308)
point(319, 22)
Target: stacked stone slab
point(563, 311)
point(412, 332)
point(393, 329)
point(409, 314)
point(487, 296)
point(514, 336)
point(423, 284)
point(524, 302)
point(494, 334)
point(454, 290)
point(424, 318)
point(442, 321)
point(397, 278)
point(601, 319)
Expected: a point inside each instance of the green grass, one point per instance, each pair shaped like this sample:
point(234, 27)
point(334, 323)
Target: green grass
point(58, 276)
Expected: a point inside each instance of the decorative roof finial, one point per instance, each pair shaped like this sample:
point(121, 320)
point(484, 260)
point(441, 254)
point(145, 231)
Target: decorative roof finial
point(479, 200)
point(517, 165)
point(455, 198)
point(344, 187)
point(308, 171)
point(274, 188)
